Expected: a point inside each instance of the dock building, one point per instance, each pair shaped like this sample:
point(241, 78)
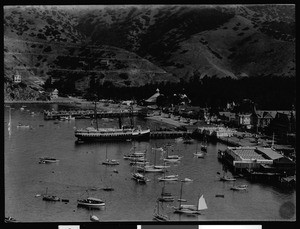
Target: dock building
point(258, 161)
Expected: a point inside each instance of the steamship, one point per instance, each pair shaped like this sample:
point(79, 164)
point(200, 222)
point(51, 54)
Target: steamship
point(109, 134)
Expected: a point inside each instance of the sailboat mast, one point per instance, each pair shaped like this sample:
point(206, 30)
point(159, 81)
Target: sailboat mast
point(131, 116)
point(106, 151)
point(273, 140)
point(9, 112)
point(155, 156)
point(95, 111)
point(180, 195)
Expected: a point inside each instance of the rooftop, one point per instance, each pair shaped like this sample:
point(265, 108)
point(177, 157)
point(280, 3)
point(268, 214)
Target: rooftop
point(248, 154)
point(270, 153)
point(256, 153)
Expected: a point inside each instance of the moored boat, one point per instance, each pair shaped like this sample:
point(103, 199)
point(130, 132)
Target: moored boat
point(186, 180)
point(44, 160)
point(139, 178)
point(48, 197)
point(110, 162)
point(242, 187)
point(227, 178)
point(94, 218)
point(22, 126)
point(91, 202)
point(159, 216)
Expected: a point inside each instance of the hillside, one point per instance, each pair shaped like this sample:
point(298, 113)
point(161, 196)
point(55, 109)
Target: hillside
point(76, 47)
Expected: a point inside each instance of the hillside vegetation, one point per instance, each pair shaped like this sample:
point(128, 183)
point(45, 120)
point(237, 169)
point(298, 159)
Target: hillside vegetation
point(132, 46)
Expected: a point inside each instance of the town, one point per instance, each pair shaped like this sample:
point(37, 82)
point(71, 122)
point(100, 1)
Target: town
point(267, 137)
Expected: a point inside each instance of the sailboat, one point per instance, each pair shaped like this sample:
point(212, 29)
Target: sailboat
point(138, 177)
point(191, 209)
point(47, 197)
point(226, 178)
point(109, 161)
point(168, 178)
point(108, 188)
point(198, 154)
point(187, 139)
point(90, 202)
point(172, 158)
point(165, 196)
point(151, 168)
point(159, 216)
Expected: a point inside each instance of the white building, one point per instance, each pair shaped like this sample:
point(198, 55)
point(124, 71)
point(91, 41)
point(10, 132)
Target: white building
point(17, 78)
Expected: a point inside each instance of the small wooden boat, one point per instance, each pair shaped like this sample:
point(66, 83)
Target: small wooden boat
point(110, 162)
point(227, 178)
point(91, 202)
point(172, 160)
point(169, 178)
point(108, 189)
point(161, 166)
point(140, 178)
point(139, 163)
point(46, 160)
point(199, 154)
point(94, 218)
point(220, 195)
point(51, 198)
point(242, 187)
point(186, 180)
point(22, 126)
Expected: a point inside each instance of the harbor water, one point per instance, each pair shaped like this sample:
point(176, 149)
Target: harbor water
point(80, 172)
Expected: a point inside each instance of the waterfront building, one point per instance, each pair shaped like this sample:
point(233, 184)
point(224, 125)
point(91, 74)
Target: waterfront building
point(218, 132)
point(283, 123)
point(258, 159)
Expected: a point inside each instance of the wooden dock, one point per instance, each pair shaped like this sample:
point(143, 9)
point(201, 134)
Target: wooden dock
point(169, 134)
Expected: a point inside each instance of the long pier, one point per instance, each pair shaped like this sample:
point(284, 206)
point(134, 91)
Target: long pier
point(88, 114)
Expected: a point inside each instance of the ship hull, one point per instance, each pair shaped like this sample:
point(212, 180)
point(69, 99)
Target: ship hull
point(112, 137)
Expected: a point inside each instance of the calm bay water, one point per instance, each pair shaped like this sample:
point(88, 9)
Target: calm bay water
point(80, 168)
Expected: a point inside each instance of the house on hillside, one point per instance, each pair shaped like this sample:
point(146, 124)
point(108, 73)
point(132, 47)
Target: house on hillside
point(246, 120)
point(54, 94)
point(264, 118)
point(284, 123)
point(17, 78)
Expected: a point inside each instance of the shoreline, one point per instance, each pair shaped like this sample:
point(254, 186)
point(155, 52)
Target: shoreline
point(37, 101)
